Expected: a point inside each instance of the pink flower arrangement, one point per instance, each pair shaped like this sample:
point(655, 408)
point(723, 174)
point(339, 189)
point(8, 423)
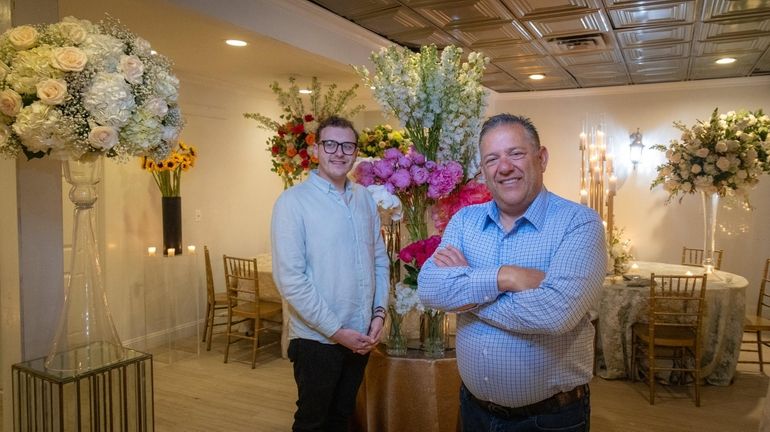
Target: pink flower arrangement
point(417, 181)
point(472, 192)
point(414, 256)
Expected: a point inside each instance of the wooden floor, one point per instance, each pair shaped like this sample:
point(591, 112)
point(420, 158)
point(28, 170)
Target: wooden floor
point(204, 394)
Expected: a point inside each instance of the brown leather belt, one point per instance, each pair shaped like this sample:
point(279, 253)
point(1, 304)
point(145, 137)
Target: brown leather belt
point(546, 406)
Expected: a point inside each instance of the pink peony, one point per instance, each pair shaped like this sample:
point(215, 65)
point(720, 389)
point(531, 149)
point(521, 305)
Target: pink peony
point(400, 179)
point(419, 175)
point(383, 169)
point(392, 153)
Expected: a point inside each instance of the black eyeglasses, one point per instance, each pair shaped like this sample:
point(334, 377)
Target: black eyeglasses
point(331, 146)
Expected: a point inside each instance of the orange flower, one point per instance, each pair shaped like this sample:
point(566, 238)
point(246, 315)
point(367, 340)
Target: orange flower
point(314, 158)
point(291, 151)
point(310, 139)
point(287, 167)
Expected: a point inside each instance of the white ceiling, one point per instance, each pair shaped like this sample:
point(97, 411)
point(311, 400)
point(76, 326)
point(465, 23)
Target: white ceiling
point(195, 42)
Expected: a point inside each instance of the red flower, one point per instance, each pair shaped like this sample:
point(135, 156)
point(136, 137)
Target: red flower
point(419, 251)
point(275, 149)
point(472, 192)
point(298, 129)
point(308, 117)
point(305, 163)
point(303, 153)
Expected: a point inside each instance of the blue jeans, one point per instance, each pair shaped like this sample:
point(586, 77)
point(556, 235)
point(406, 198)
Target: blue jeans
point(574, 417)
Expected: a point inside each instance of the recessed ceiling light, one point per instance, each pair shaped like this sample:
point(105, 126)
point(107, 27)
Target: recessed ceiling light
point(305, 91)
point(236, 43)
point(725, 60)
point(536, 76)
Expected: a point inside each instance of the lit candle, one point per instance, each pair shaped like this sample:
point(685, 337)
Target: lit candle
point(583, 140)
point(583, 196)
point(171, 251)
point(689, 273)
point(634, 268)
point(151, 251)
point(612, 183)
point(191, 249)
point(610, 169)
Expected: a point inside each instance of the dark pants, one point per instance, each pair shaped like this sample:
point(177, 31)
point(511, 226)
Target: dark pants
point(574, 417)
point(328, 377)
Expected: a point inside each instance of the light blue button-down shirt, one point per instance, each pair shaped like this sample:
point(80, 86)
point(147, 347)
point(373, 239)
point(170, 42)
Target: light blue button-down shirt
point(520, 348)
point(329, 259)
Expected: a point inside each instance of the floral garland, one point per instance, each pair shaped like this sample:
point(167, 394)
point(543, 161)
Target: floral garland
point(289, 147)
point(438, 98)
point(724, 155)
point(168, 172)
point(373, 142)
point(73, 87)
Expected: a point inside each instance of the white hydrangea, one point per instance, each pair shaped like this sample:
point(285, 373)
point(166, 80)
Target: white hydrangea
point(388, 204)
point(109, 100)
point(406, 299)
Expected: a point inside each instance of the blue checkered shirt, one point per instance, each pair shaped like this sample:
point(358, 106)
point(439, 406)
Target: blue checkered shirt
point(515, 349)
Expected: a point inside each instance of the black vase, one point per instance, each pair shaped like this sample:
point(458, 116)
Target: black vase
point(172, 224)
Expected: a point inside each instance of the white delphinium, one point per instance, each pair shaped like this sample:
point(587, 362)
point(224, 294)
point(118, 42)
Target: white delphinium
point(438, 99)
point(407, 299)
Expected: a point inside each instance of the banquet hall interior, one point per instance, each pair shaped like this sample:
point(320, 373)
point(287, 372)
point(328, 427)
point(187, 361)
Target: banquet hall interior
point(227, 197)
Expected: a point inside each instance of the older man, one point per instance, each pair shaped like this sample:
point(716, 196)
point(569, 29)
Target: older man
point(521, 271)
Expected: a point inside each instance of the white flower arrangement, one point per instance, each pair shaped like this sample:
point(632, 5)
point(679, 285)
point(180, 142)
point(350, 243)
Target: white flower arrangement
point(407, 299)
point(438, 99)
point(724, 155)
point(73, 87)
point(619, 251)
point(388, 204)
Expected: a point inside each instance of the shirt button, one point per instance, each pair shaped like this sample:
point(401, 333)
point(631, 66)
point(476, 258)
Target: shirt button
point(486, 379)
point(486, 298)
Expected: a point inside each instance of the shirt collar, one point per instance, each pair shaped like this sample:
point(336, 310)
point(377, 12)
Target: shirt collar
point(326, 186)
point(535, 213)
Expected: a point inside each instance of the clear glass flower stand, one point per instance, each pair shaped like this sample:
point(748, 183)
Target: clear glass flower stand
point(116, 397)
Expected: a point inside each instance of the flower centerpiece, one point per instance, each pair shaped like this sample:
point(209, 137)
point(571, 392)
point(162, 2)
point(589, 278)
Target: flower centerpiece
point(373, 142)
point(167, 173)
point(74, 87)
point(722, 156)
point(75, 91)
point(416, 181)
point(438, 98)
point(619, 251)
point(289, 147)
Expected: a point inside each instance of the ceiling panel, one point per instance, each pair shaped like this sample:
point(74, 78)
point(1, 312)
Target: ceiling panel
point(580, 43)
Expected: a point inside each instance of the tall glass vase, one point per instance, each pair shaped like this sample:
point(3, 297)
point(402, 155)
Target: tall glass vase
point(396, 345)
point(86, 338)
point(433, 326)
point(710, 206)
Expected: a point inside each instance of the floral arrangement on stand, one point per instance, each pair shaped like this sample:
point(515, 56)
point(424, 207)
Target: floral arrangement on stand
point(720, 157)
point(438, 99)
point(726, 154)
point(167, 173)
point(294, 132)
point(619, 251)
point(373, 142)
point(74, 87)
point(77, 91)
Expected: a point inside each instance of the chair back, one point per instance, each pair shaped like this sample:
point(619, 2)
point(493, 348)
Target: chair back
point(694, 257)
point(764, 296)
point(677, 301)
point(209, 275)
point(241, 280)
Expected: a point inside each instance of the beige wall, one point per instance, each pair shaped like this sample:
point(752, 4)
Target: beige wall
point(657, 231)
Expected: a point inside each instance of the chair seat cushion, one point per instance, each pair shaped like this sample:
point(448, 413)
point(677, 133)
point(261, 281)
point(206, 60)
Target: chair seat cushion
point(673, 336)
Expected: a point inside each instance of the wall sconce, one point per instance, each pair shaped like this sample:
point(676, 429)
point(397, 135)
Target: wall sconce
point(636, 147)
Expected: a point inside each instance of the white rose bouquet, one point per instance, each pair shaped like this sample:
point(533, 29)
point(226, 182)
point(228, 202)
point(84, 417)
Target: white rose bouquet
point(724, 155)
point(73, 87)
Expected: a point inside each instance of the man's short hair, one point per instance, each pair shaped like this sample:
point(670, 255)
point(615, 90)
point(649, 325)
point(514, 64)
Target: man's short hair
point(510, 119)
point(335, 121)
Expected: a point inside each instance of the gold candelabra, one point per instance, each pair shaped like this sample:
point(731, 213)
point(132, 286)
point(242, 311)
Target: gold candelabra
point(597, 179)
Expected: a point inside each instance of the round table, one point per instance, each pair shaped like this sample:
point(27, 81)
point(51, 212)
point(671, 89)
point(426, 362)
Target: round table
point(620, 306)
